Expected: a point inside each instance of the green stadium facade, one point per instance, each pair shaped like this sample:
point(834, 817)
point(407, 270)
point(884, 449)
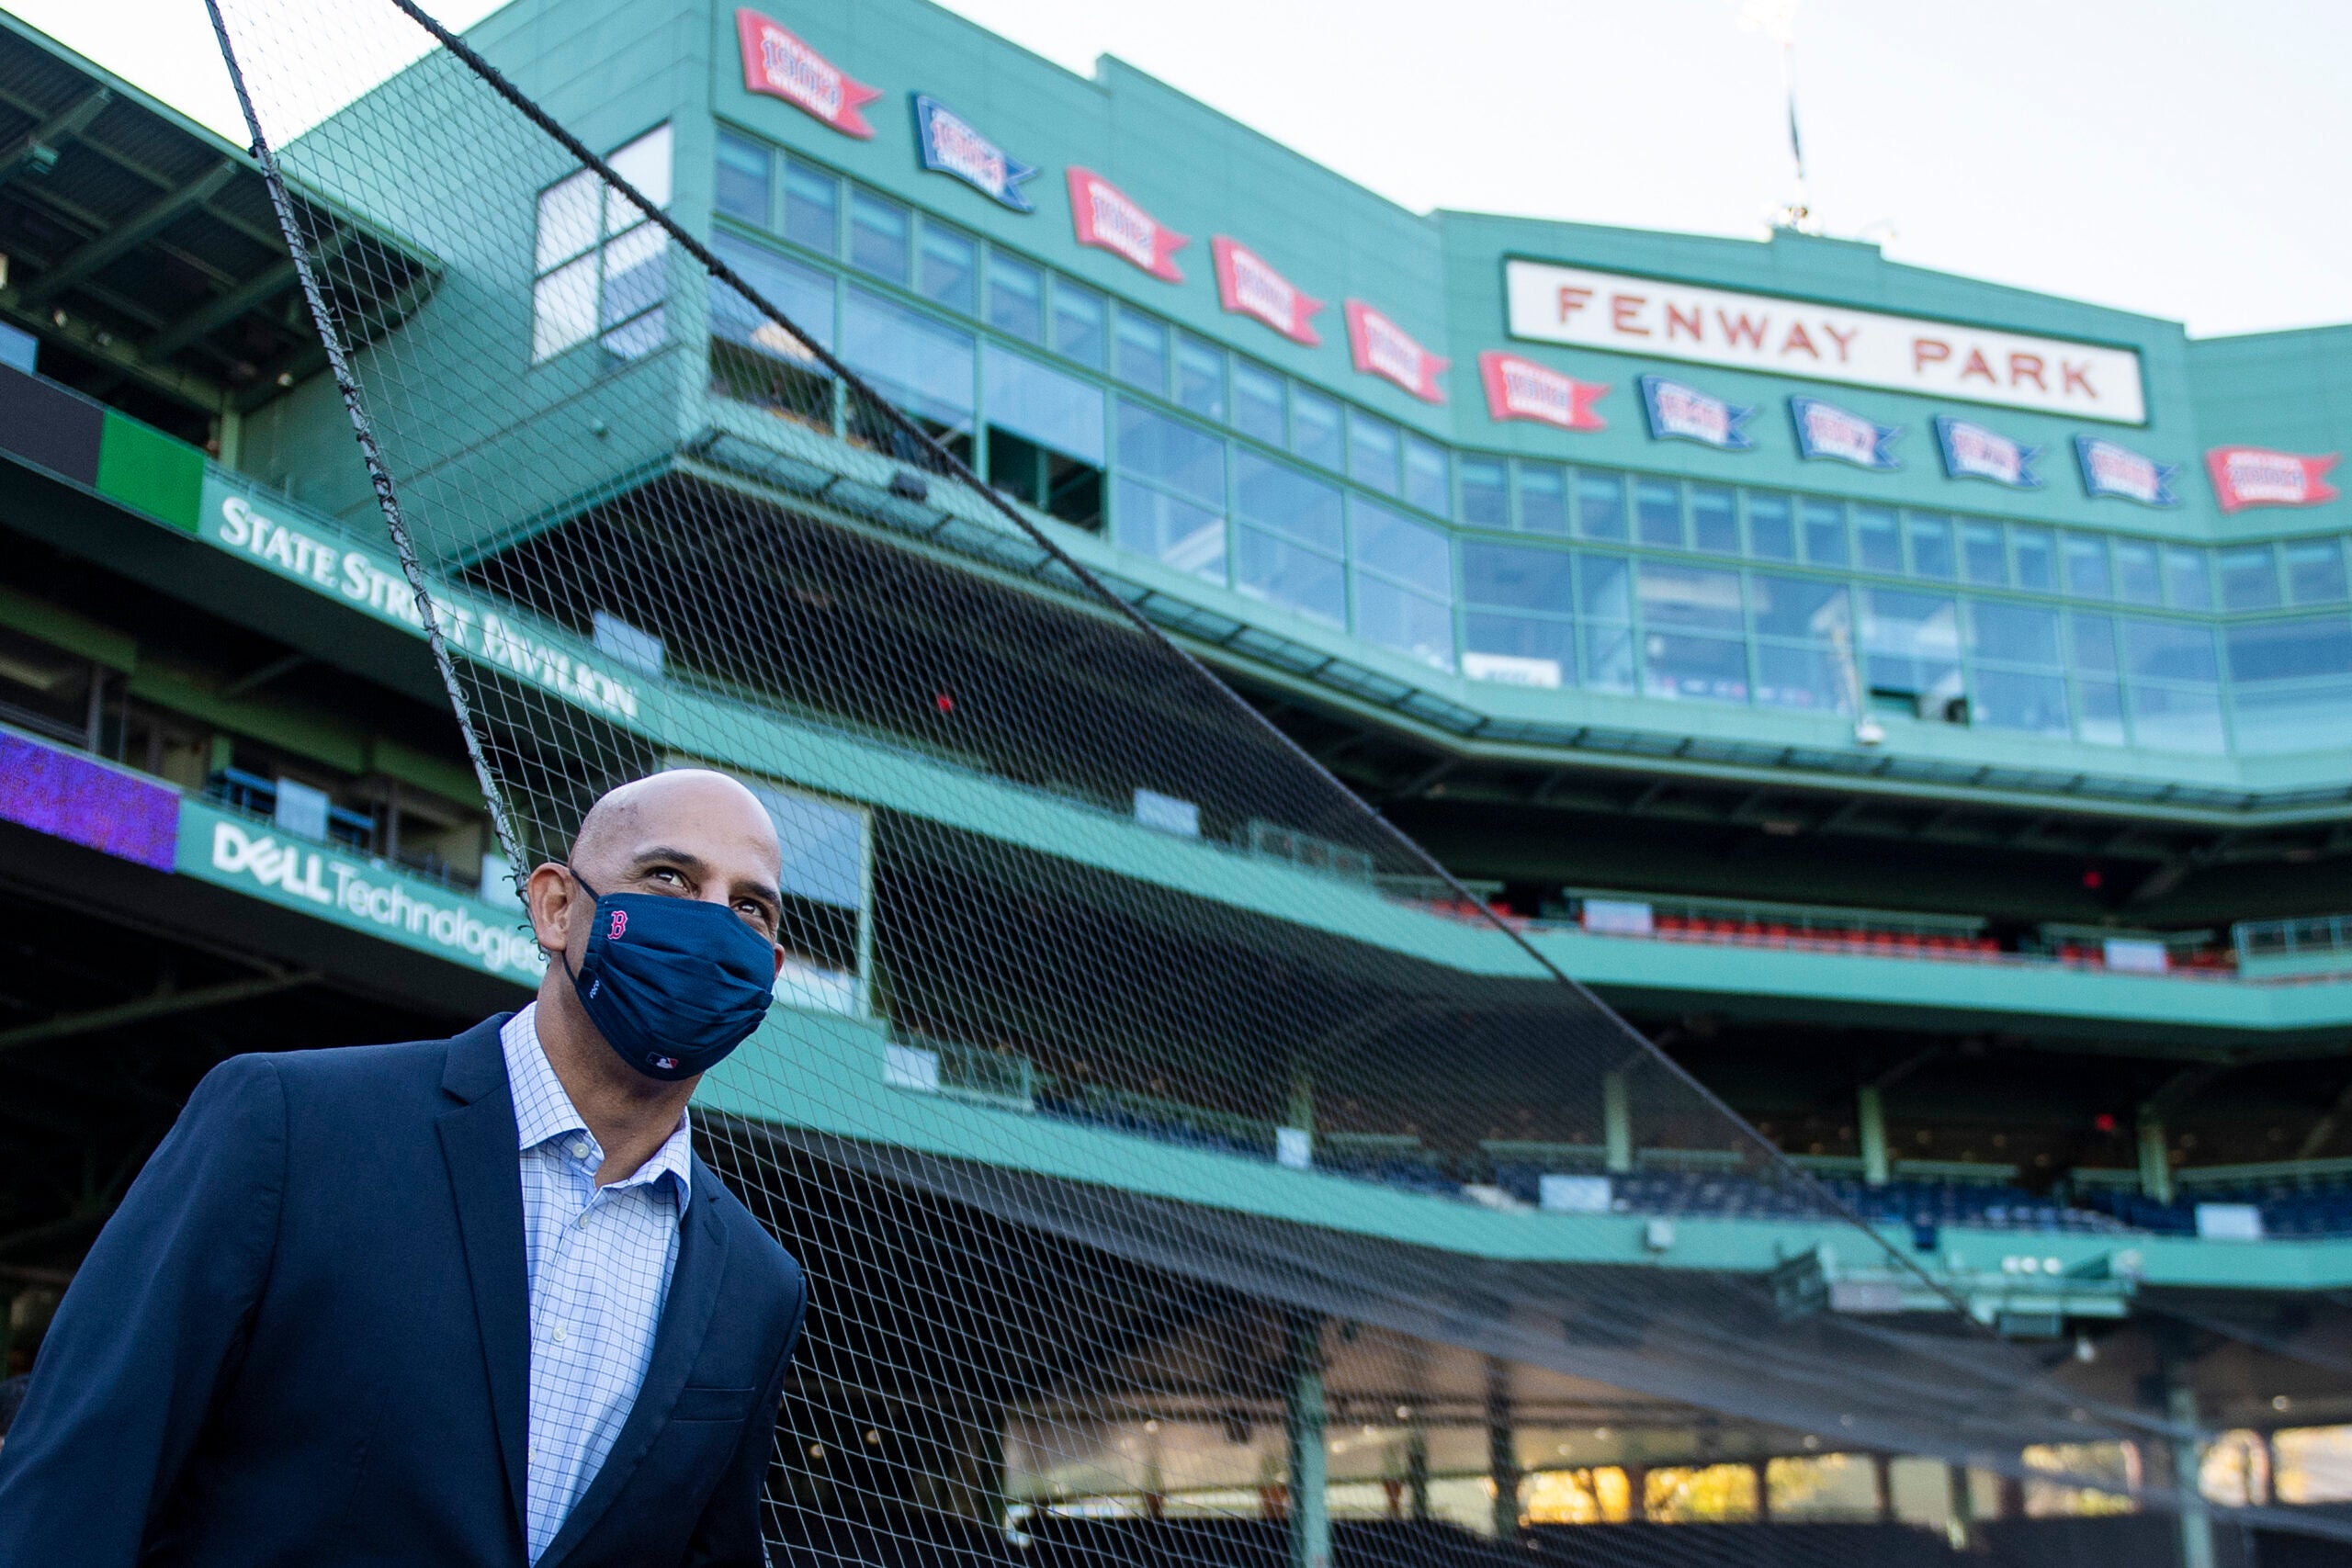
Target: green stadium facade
point(1923, 707)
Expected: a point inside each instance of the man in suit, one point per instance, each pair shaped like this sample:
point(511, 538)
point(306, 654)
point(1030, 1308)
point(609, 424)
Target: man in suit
point(468, 1301)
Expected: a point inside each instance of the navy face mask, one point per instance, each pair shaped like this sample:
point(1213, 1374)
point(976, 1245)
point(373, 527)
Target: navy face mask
point(673, 984)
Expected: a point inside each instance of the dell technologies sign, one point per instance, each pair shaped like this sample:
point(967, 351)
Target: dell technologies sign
point(1582, 309)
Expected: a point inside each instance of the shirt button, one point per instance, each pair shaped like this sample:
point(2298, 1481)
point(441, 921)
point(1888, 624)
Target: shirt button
point(582, 1223)
point(579, 1149)
point(559, 1334)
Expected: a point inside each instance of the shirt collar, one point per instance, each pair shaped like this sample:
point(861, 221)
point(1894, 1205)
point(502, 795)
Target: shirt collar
point(543, 1111)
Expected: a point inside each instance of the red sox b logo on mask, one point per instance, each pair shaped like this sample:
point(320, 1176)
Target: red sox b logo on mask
point(620, 924)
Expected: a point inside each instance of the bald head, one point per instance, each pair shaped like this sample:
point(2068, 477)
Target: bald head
point(689, 831)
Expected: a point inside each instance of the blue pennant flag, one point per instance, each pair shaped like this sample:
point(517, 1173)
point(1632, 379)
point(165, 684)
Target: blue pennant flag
point(1825, 430)
point(2110, 469)
point(1678, 412)
point(1972, 452)
point(949, 145)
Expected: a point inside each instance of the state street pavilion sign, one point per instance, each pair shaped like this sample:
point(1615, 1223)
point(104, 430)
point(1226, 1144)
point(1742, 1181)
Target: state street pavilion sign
point(1780, 336)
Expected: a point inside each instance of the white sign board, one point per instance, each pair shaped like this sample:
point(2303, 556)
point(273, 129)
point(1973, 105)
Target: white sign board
point(1573, 1194)
point(2229, 1222)
point(1780, 336)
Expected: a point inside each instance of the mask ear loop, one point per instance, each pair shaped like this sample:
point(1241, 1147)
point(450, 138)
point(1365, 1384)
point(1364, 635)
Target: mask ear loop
point(573, 974)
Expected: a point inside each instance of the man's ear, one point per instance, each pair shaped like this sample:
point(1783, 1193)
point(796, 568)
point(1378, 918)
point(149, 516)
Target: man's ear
point(551, 891)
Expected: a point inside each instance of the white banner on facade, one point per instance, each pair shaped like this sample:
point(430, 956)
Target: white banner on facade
point(1780, 336)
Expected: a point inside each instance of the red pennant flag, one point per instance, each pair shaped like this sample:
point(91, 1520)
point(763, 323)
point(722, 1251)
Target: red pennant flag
point(1103, 216)
point(777, 63)
point(1520, 388)
point(1381, 347)
point(1248, 285)
point(2255, 476)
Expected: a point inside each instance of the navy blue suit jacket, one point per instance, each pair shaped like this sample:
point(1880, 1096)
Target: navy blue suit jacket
point(304, 1339)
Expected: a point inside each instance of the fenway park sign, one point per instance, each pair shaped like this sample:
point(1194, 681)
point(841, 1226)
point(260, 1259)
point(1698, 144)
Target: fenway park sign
point(1583, 309)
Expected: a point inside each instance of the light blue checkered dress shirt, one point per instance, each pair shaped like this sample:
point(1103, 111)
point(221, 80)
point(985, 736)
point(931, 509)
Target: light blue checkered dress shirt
point(599, 1261)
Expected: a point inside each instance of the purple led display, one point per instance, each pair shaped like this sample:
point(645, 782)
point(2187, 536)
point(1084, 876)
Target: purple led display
point(74, 798)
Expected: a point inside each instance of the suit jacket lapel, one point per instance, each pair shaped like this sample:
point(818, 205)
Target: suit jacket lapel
point(478, 1142)
point(686, 1319)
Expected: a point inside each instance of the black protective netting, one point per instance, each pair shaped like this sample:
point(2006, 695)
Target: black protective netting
point(1089, 959)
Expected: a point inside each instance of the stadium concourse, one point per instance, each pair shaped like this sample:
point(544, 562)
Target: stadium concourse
point(1852, 1064)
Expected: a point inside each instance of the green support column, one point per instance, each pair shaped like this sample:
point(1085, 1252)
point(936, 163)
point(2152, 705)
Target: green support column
point(1502, 1458)
point(2187, 1467)
point(1310, 1507)
point(1417, 1475)
point(1870, 1122)
point(1617, 1121)
point(2156, 1168)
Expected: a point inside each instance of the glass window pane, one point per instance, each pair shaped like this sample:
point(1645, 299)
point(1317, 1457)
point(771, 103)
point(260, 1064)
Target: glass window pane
point(1371, 452)
point(1046, 406)
point(2168, 650)
point(742, 184)
point(951, 272)
point(2091, 644)
point(1314, 427)
point(1913, 643)
point(2315, 571)
point(1398, 618)
point(1258, 402)
point(2086, 556)
point(1543, 499)
point(1657, 511)
point(1397, 546)
point(1982, 558)
point(2300, 649)
point(803, 293)
point(1605, 656)
point(1200, 377)
point(1604, 588)
point(1878, 544)
point(1016, 298)
point(1679, 664)
point(811, 199)
point(644, 164)
point(2135, 573)
point(1811, 676)
point(2017, 634)
point(1142, 356)
point(1601, 505)
point(1080, 325)
point(2274, 720)
point(567, 220)
point(1715, 523)
point(2249, 580)
point(1690, 596)
point(563, 308)
point(924, 365)
point(1486, 500)
point(878, 229)
point(1824, 532)
point(1520, 649)
point(2098, 711)
point(1172, 453)
point(2177, 718)
point(2036, 559)
point(1269, 567)
point(2291, 685)
point(2187, 586)
point(1931, 552)
point(636, 274)
point(1802, 607)
point(1190, 538)
point(1771, 534)
point(1280, 497)
point(2009, 699)
point(1517, 578)
point(1426, 479)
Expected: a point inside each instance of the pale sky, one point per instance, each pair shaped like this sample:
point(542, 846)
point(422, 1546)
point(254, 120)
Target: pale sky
point(2185, 158)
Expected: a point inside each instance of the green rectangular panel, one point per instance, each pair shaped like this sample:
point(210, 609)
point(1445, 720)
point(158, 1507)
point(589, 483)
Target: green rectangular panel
point(147, 470)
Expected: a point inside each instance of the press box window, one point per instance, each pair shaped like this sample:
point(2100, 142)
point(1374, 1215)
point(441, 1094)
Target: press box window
point(1171, 491)
point(744, 177)
point(764, 361)
point(1200, 377)
point(1485, 494)
point(599, 264)
point(1080, 323)
point(948, 270)
point(1045, 436)
point(1544, 499)
point(812, 200)
point(1258, 403)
